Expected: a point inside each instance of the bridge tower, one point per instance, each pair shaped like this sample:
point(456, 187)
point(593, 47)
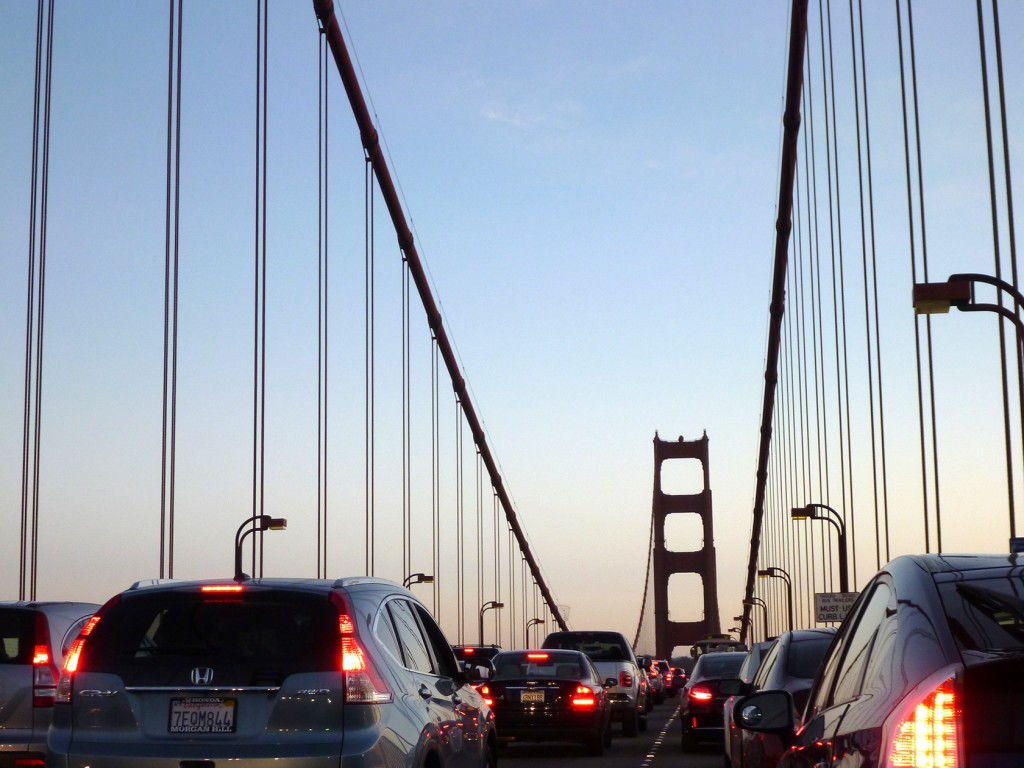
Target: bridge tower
point(669, 634)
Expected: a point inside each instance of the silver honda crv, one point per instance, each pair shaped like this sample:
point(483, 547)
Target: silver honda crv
point(34, 636)
point(288, 673)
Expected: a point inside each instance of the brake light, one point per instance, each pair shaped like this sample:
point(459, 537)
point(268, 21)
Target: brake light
point(929, 733)
point(469, 651)
point(44, 671)
point(583, 698)
point(75, 653)
point(29, 761)
point(701, 693)
point(485, 691)
point(538, 656)
point(363, 684)
point(220, 588)
point(625, 680)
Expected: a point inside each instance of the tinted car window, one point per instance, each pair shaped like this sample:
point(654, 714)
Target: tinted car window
point(255, 638)
point(17, 633)
point(767, 665)
point(804, 658)
point(557, 665)
point(985, 614)
point(385, 633)
point(446, 664)
point(858, 648)
point(599, 646)
point(414, 646)
point(718, 666)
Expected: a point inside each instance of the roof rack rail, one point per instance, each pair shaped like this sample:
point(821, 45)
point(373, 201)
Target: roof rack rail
point(143, 583)
point(351, 581)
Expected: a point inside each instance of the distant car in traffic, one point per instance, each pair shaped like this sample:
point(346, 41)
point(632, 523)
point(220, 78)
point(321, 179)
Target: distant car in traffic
point(679, 678)
point(790, 665)
point(550, 696)
point(924, 671)
point(613, 657)
point(654, 679)
point(667, 677)
point(701, 708)
point(290, 672)
point(34, 638)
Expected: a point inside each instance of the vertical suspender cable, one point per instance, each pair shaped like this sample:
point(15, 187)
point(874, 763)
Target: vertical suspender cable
point(1011, 228)
point(996, 254)
point(370, 404)
point(913, 277)
point(924, 264)
point(30, 292)
point(460, 521)
point(323, 306)
point(41, 302)
point(435, 471)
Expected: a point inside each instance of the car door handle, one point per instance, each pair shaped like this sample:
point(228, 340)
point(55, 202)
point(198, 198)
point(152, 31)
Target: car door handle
point(424, 692)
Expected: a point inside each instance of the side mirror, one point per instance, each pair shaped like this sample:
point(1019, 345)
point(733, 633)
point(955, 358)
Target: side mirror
point(766, 712)
point(610, 682)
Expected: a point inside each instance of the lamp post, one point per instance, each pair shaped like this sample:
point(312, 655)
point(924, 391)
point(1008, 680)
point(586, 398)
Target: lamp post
point(417, 578)
point(778, 573)
point(532, 622)
point(251, 525)
point(490, 604)
point(813, 512)
point(958, 291)
point(764, 613)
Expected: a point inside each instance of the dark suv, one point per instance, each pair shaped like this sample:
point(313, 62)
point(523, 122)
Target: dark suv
point(34, 636)
point(290, 672)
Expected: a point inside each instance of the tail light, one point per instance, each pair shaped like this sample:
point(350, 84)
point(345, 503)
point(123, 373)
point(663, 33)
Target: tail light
point(363, 683)
point(928, 732)
point(583, 698)
point(44, 669)
point(625, 679)
point(485, 692)
point(701, 693)
point(73, 659)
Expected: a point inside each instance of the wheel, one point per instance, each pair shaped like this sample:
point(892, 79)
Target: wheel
point(595, 744)
point(659, 698)
point(608, 733)
point(631, 725)
point(689, 744)
point(642, 724)
point(648, 703)
point(727, 763)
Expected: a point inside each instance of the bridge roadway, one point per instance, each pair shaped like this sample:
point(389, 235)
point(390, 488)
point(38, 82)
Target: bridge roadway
point(657, 748)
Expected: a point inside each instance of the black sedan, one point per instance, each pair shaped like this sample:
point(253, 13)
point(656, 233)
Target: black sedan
point(701, 709)
point(549, 696)
point(924, 671)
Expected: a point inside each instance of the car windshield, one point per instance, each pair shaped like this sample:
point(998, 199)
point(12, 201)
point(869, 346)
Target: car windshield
point(538, 665)
point(17, 627)
point(718, 666)
point(986, 614)
point(805, 657)
point(599, 646)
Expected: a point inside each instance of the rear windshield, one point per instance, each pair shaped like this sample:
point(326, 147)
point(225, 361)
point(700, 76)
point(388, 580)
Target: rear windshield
point(985, 614)
point(663, 666)
point(556, 665)
point(257, 638)
point(17, 633)
point(599, 646)
point(805, 657)
point(718, 666)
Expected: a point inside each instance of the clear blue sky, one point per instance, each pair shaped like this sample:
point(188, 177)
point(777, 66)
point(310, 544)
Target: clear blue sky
point(593, 188)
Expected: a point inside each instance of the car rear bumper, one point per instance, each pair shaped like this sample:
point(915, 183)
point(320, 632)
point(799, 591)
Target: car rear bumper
point(567, 727)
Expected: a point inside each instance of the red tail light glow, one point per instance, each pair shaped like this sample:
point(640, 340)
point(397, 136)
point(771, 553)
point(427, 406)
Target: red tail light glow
point(221, 588)
point(625, 680)
point(583, 698)
point(538, 656)
point(929, 734)
point(363, 684)
point(44, 671)
point(74, 656)
point(701, 693)
point(485, 691)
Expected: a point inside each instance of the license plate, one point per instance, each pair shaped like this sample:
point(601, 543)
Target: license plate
point(202, 714)
point(532, 696)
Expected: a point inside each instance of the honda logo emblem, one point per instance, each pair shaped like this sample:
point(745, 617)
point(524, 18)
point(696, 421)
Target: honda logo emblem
point(202, 675)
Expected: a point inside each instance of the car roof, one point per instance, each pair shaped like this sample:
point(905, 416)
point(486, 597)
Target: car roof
point(305, 585)
point(955, 563)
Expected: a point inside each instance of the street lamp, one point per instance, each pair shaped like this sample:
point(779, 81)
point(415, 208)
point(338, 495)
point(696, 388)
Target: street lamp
point(483, 609)
point(764, 608)
point(814, 512)
point(778, 573)
point(251, 525)
point(532, 622)
point(417, 578)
